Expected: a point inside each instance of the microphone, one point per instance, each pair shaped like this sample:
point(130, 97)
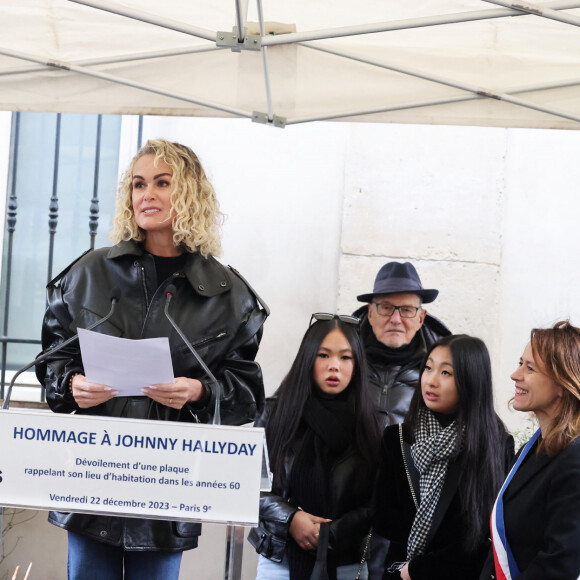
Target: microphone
point(169, 292)
point(115, 296)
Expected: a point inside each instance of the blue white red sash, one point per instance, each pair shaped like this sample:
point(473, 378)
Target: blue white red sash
point(505, 564)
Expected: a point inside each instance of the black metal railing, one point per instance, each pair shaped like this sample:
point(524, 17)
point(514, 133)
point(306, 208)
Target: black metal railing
point(53, 217)
point(11, 214)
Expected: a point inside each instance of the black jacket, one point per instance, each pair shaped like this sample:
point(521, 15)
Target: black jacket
point(350, 513)
point(219, 314)
point(395, 383)
point(541, 508)
point(445, 557)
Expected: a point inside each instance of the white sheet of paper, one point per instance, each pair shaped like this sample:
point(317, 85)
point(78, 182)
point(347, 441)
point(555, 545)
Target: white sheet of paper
point(124, 364)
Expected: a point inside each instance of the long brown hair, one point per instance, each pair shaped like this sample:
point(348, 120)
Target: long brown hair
point(558, 349)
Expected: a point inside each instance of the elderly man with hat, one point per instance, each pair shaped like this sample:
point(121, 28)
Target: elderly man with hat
point(397, 331)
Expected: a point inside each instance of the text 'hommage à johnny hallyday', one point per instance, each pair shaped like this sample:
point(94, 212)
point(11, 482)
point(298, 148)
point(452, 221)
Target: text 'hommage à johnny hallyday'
point(71, 436)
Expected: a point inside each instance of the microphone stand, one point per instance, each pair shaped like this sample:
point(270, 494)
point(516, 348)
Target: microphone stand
point(216, 387)
point(42, 357)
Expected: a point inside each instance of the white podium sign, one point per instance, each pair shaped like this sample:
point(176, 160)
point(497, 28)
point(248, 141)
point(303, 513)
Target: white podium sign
point(152, 469)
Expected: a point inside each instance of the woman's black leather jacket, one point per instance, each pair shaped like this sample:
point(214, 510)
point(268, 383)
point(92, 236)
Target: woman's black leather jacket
point(350, 511)
point(218, 312)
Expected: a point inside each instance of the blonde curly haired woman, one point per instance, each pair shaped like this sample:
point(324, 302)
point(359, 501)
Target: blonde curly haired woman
point(166, 234)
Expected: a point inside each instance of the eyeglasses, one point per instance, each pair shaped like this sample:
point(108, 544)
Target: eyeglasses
point(323, 316)
point(385, 309)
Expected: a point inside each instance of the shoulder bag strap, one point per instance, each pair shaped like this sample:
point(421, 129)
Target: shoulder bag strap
point(407, 460)
point(364, 554)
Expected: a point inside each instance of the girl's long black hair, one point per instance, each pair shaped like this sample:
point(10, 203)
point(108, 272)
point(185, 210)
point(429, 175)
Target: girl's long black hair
point(296, 388)
point(482, 457)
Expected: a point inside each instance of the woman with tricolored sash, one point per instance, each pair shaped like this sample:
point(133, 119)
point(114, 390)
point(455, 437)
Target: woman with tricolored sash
point(535, 523)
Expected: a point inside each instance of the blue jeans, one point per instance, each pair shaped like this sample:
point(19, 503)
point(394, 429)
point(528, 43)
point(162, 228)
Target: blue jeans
point(268, 570)
point(92, 560)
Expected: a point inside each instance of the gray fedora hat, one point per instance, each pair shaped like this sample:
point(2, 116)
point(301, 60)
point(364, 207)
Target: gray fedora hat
point(396, 277)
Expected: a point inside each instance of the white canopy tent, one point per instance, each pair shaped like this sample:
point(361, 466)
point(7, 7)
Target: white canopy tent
point(463, 62)
point(449, 62)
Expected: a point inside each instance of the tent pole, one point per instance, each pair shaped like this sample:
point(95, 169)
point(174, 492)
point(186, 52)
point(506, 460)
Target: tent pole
point(429, 103)
point(265, 63)
point(405, 24)
point(241, 20)
point(537, 10)
point(115, 60)
point(478, 90)
point(117, 8)
point(363, 112)
point(51, 64)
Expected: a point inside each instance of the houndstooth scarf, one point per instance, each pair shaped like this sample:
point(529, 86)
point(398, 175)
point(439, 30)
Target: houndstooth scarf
point(434, 446)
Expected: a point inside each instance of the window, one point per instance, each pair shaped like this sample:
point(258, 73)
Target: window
point(62, 181)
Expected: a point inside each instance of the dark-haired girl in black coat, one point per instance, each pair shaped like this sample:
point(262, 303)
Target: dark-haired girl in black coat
point(441, 470)
point(323, 441)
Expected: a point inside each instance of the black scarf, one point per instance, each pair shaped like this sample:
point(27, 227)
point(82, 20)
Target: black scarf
point(327, 430)
point(376, 350)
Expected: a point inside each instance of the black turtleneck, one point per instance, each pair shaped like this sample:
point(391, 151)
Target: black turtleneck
point(166, 266)
point(445, 419)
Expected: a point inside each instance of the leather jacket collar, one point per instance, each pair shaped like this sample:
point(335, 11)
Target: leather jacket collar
point(206, 275)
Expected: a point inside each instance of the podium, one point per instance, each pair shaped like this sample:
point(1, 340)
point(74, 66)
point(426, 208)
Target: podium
point(135, 468)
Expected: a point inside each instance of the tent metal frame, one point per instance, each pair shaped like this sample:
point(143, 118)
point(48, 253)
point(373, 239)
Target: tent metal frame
point(121, 81)
point(476, 90)
point(238, 41)
point(429, 103)
point(538, 10)
point(116, 60)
